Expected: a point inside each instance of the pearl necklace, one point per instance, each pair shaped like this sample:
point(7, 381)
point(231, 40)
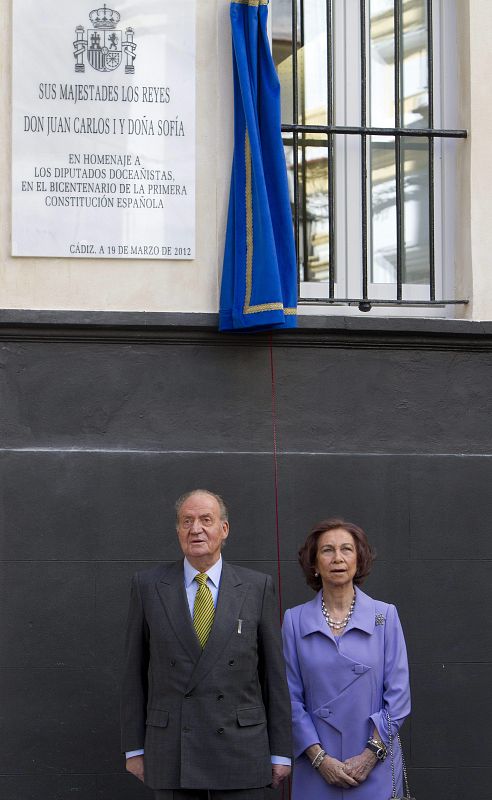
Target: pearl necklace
point(333, 623)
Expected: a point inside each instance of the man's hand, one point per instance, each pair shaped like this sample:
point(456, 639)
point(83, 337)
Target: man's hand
point(279, 773)
point(135, 765)
point(360, 766)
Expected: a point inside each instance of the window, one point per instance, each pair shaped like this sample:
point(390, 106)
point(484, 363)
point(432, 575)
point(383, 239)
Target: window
point(368, 88)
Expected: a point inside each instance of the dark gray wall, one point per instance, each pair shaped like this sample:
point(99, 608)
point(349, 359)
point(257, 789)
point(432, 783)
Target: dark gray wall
point(106, 420)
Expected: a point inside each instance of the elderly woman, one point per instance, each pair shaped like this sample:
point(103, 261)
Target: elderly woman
point(347, 671)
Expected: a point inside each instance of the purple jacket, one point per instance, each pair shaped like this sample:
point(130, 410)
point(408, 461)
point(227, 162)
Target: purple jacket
point(340, 688)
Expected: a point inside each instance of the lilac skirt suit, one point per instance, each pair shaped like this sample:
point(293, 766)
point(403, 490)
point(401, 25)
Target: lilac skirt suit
point(340, 688)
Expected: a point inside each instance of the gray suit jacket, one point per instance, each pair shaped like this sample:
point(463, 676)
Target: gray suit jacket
point(207, 719)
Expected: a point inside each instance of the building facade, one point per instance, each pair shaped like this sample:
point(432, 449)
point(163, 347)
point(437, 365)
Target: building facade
point(118, 394)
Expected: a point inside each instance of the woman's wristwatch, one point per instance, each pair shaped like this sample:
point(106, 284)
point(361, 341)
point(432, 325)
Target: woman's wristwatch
point(378, 748)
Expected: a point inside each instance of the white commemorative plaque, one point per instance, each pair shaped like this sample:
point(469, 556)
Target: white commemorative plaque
point(103, 129)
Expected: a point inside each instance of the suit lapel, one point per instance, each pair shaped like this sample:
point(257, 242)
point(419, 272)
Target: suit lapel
point(231, 596)
point(170, 588)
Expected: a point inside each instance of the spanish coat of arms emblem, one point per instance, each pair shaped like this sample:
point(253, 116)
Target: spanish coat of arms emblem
point(104, 45)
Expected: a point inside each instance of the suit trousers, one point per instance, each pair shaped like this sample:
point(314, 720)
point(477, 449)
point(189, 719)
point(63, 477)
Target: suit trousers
point(215, 794)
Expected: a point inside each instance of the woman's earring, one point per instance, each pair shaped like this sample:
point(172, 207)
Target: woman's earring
point(316, 574)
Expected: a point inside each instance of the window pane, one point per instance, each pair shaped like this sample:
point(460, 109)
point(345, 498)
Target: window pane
point(314, 233)
point(382, 196)
point(382, 63)
point(311, 53)
point(413, 69)
point(415, 211)
point(313, 65)
point(289, 161)
point(415, 158)
point(282, 48)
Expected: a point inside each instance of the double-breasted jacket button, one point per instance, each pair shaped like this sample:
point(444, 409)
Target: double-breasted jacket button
point(186, 730)
point(188, 694)
point(220, 730)
point(220, 697)
point(173, 662)
point(231, 662)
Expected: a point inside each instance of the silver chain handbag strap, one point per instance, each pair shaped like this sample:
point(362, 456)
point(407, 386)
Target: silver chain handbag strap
point(394, 795)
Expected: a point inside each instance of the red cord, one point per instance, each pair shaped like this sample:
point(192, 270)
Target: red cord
point(275, 469)
point(286, 785)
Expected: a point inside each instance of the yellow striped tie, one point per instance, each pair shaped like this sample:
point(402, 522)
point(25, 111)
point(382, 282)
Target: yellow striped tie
point(203, 610)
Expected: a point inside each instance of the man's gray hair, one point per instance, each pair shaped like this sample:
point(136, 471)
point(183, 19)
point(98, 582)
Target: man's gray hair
point(224, 514)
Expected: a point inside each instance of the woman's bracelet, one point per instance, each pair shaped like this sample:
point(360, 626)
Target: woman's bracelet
point(318, 758)
point(377, 747)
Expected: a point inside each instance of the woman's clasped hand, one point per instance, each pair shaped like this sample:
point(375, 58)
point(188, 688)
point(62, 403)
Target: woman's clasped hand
point(359, 767)
point(336, 773)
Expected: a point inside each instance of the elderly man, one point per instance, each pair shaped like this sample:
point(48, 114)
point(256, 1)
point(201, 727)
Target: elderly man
point(205, 707)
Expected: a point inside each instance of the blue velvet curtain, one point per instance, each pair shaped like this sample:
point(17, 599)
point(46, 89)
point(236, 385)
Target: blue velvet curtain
point(259, 277)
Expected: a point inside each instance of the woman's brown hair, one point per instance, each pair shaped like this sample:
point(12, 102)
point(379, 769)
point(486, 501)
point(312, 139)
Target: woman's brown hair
point(309, 551)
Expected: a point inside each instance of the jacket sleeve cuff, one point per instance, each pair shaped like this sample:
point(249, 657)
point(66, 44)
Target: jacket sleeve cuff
point(132, 753)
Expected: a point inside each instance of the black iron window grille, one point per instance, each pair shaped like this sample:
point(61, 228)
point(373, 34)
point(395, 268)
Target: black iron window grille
point(377, 182)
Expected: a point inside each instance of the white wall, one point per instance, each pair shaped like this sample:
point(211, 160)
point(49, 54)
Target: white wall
point(476, 187)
